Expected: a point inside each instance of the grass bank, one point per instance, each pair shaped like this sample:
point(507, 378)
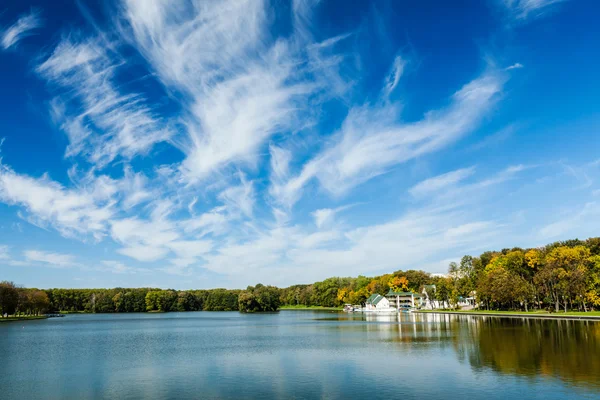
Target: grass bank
point(23, 318)
point(532, 314)
point(303, 307)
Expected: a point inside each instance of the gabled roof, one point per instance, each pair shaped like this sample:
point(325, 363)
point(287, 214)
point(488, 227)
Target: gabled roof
point(371, 298)
point(374, 299)
point(392, 293)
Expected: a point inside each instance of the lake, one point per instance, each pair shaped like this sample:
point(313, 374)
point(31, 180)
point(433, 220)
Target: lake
point(298, 354)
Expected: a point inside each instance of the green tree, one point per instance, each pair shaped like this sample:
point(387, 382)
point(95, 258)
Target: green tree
point(9, 298)
point(259, 298)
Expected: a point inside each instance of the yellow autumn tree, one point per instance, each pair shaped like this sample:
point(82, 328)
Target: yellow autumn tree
point(534, 258)
point(398, 284)
point(342, 295)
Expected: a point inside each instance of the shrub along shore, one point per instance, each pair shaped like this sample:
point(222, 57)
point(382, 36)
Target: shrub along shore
point(560, 277)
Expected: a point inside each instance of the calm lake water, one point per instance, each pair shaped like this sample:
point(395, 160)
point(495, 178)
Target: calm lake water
point(298, 354)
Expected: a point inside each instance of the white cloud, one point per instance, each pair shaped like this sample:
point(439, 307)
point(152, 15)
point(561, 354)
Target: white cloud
point(188, 252)
point(432, 185)
point(280, 161)
point(572, 221)
point(236, 88)
point(414, 239)
point(144, 253)
point(239, 86)
point(239, 198)
point(20, 29)
point(144, 240)
point(191, 248)
point(73, 212)
point(515, 66)
point(4, 253)
point(523, 9)
point(213, 222)
point(460, 194)
point(52, 259)
point(323, 216)
point(495, 138)
point(116, 267)
point(372, 139)
point(100, 122)
point(319, 239)
point(394, 76)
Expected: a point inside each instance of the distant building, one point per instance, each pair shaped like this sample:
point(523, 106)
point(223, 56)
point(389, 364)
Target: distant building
point(403, 300)
point(377, 302)
point(464, 302)
point(437, 275)
point(430, 303)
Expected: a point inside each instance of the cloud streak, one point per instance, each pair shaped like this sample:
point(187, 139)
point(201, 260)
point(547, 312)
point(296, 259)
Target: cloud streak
point(440, 182)
point(229, 137)
point(372, 139)
point(524, 9)
point(21, 29)
point(100, 121)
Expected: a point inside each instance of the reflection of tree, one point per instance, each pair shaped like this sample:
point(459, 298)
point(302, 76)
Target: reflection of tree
point(567, 350)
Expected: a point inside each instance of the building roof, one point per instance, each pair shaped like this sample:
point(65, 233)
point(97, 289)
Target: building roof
point(374, 299)
point(392, 293)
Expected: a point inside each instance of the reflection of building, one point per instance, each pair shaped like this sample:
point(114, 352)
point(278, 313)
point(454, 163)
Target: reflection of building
point(377, 302)
point(401, 300)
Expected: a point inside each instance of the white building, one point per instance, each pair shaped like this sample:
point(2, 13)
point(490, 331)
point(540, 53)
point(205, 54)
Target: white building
point(404, 300)
point(377, 302)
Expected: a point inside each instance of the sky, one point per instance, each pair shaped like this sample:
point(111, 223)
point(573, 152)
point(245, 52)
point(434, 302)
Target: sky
point(201, 144)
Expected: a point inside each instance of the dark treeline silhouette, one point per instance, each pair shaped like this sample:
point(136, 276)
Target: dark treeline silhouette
point(562, 275)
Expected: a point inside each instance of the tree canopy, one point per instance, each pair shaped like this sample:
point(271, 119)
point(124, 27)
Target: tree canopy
point(559, 276)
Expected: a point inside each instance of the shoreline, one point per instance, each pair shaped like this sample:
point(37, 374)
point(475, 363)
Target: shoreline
point(314, 308)
point(509, 314)
point(28, 318)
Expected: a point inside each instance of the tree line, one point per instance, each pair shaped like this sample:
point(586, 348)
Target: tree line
point(20, 301)
point(560, 276)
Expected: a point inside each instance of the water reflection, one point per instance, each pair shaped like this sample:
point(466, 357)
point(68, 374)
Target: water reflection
point(568, 350)
point(299, 354)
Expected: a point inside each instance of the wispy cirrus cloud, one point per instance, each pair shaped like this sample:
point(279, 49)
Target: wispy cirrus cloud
point(402, 242)
point(524, 9)
point(394, 76)
point(372, 139)
point(240, 86)
point(73, 212)
point(100, 121)
point(256, 118)
point(53, 259)
point(240, 198)
point(515, 66)
point(22, 28)
point(117, 267)
point(440, 182)
point(571, 221)
point(4, 252)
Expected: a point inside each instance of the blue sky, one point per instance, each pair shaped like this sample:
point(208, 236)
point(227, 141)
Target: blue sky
point(200, 144)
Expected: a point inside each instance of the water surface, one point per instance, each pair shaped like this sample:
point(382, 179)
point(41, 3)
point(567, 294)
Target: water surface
point(298, 354)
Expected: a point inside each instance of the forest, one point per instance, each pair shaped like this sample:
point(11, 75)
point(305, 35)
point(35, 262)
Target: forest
point(561, 276)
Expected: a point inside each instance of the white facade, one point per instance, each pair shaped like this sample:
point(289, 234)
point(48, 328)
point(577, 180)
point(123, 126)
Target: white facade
point(377, 302)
